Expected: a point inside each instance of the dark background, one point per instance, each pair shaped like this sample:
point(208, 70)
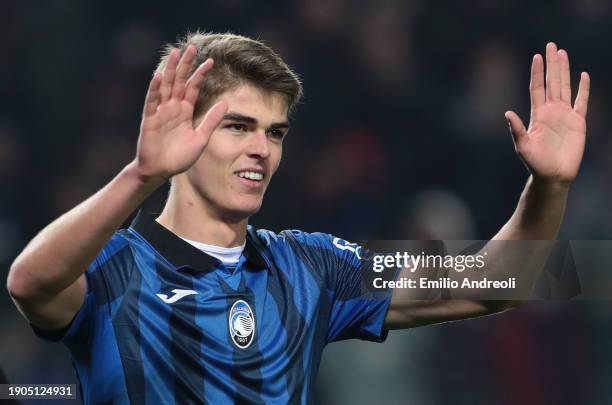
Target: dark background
point(401, 136)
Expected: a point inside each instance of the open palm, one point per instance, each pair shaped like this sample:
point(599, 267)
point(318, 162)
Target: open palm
point(168, 143)
point(553, 144)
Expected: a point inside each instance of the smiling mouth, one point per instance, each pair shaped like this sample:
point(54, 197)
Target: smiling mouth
point(250, 175)
point(250, 178)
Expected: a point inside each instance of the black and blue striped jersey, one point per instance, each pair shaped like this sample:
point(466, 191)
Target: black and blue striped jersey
point(163, 322)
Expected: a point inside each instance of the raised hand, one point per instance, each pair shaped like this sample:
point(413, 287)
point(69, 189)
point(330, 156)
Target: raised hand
point(553, 145)
point(168, 142)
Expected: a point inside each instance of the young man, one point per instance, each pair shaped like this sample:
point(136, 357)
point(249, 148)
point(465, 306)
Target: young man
point(194, 305)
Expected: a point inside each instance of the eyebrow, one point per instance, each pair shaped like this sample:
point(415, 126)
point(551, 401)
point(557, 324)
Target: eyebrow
point(250, 120)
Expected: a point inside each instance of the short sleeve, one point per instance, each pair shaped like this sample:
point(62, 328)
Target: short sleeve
point(356, 311)
point(83, 314)
point(107, 278)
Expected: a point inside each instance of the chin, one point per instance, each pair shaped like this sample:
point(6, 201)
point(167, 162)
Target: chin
point(243, 211)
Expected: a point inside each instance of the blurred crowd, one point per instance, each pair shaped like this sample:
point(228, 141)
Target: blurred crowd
point(401, 135)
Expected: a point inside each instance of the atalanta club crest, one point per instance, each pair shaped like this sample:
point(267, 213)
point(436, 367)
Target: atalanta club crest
point(241, 324)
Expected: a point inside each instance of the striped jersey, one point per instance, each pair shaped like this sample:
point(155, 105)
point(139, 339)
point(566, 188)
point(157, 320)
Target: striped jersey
point(164, 323)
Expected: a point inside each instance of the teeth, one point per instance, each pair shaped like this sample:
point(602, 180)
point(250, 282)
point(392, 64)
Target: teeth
point(251, 175)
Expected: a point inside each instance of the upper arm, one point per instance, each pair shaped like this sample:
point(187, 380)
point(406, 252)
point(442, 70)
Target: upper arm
point(403, 313)
point(412, 307)
point(56, 312)
point(90, 295)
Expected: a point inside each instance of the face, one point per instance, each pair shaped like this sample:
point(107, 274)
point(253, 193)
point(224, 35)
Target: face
point(242, 154)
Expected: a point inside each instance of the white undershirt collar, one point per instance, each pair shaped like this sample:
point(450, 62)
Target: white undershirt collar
point(229, 255)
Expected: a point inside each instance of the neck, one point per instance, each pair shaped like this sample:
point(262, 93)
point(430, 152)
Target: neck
point(190, 217)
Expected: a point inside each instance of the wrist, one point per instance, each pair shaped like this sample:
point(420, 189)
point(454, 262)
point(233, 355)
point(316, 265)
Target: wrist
point(549, 185)
point(145, 180)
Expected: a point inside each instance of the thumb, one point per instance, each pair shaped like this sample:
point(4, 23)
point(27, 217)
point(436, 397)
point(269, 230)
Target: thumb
point(211, 120)
point(517, 129)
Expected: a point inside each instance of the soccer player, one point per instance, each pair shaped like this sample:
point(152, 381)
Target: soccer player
point(193, 305)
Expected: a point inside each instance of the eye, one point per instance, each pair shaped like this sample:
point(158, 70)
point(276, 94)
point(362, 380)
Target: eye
point(276, 134)
point(236, 127)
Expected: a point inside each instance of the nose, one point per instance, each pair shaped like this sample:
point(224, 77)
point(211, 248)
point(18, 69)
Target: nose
point(258, 145)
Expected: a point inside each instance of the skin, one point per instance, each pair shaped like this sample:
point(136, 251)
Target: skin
point(250, 136)
point(551, 148)
point(202, 154)
point(46, 281)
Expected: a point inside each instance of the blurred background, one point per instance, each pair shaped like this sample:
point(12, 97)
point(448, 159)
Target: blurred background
point(401, 136)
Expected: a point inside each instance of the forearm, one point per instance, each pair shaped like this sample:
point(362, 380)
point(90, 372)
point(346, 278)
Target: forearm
point(62, 251)
point(536, 221)
point(46, 280)
point(539, 212)
point(551, 147)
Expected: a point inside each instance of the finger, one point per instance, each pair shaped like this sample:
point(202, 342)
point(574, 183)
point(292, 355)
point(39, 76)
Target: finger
point(153, 95)
point(564, 67)
point(553, 75)
point(517, 129)
point(582, 98)
point(195, 81)
point(536, 86)
point(184, 66)
point(212, 119)
point(168, 74)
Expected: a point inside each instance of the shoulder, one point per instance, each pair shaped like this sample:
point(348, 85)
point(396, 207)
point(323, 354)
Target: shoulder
point(293, 237)
point(117, 243)
point(119, 246)
point(307, 244)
